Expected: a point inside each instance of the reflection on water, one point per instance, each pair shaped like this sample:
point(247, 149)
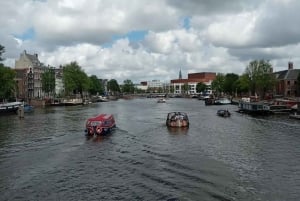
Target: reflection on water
point(46, 155)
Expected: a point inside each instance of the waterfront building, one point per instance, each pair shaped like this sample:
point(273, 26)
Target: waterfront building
point(29, 73)
point(143, 86)
point(287, 84)
point(191, 82)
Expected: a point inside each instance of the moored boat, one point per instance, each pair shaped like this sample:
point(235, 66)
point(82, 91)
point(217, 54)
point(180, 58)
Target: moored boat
point(294, 116)
point(161, 100)
point(222, 101)
point(177, 119)
point(28, 108)
point(100, 125)
point(11, 107)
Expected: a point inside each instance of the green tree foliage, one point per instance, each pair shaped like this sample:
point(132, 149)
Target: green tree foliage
point(2, 50)
point(200, 87)
point(96, 86)
point(75, 79)
point(128, 86)
point(298, 84)
point(260, 77)
point(230, 83)
point(185, 88)
point(48, 81)
point(113, 87)
point(7, 82)
point(218, 83)
point(242, 85)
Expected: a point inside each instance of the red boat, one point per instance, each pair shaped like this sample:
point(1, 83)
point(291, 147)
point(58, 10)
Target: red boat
point(100, 125)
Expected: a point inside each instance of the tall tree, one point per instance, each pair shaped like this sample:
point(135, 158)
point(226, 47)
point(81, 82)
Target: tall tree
point(230, 83)
point(2, 50)
point(218, 84)
point(75, 79)
point(298, 85)
point(128, 86)
point(185, 88)
point(48, 81)
point(95, 85)
point(200, 87)
point(113, 87)
point(7, 82)
point(260, 77)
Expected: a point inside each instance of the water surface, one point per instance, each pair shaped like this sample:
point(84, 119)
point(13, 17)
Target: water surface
point(46, 156)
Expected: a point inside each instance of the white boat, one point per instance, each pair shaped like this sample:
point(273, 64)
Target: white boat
point(222, 101)
point(11, 107)
point(161, 100)
point(294, 116)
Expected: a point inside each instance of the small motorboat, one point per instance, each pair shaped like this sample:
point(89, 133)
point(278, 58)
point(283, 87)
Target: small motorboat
point(161, 100)
point(28, 108)
point(294, 116)
point(100, 125)
point(177, 119)
point(223, 113)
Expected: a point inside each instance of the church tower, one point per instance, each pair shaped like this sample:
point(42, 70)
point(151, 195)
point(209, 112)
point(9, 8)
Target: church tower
point(180, 75)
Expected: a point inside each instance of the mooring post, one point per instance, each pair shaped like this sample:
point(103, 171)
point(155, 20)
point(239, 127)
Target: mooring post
point(21, 111)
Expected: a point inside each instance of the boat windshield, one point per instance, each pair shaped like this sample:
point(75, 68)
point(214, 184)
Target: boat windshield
point(95, 123)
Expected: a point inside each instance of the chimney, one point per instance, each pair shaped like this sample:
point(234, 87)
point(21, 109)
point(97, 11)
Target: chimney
point(36, 55)
point(290, 65)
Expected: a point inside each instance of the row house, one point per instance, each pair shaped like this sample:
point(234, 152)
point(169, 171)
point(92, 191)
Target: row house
point(192, 81)
point(29, 72)
point(287, 82)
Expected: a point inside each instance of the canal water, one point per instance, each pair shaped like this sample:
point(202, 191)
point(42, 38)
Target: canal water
point(46, 156)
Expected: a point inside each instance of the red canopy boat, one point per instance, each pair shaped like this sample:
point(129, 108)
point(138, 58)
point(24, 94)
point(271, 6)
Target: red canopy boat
point(101, 124)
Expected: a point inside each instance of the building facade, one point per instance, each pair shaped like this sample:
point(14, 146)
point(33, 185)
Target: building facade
point(287, 83)
point(29, 72)
point(188, 86)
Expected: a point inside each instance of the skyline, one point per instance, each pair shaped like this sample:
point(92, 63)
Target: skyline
point(144, 41)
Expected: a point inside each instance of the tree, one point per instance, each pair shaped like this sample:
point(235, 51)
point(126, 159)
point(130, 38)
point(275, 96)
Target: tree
point(230, 83)
point(218, 83)
point(200, 87)
point(96, 86)
point(7, 82)
point(2, 50)
point(185, 88)
point(260, 77)
point(298, 84)
point(75, 79)
point(113, 86)
point(48, 81)
point(128, 86)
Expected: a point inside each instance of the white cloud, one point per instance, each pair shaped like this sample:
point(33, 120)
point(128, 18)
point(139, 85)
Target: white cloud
point(221, 36)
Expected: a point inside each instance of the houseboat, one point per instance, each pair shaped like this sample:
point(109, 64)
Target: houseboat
point(177, 119)
point(100, 125)
point(260, 108)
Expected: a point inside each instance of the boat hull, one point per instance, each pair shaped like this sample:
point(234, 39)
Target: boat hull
point(177, 120)
point(10, 108)
point(100, 125)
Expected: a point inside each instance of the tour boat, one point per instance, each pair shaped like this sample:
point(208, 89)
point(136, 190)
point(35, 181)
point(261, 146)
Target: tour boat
point(100, 125)
point(177, 119)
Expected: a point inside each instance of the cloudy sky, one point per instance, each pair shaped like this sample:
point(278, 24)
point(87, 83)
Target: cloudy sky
point(144, 40)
